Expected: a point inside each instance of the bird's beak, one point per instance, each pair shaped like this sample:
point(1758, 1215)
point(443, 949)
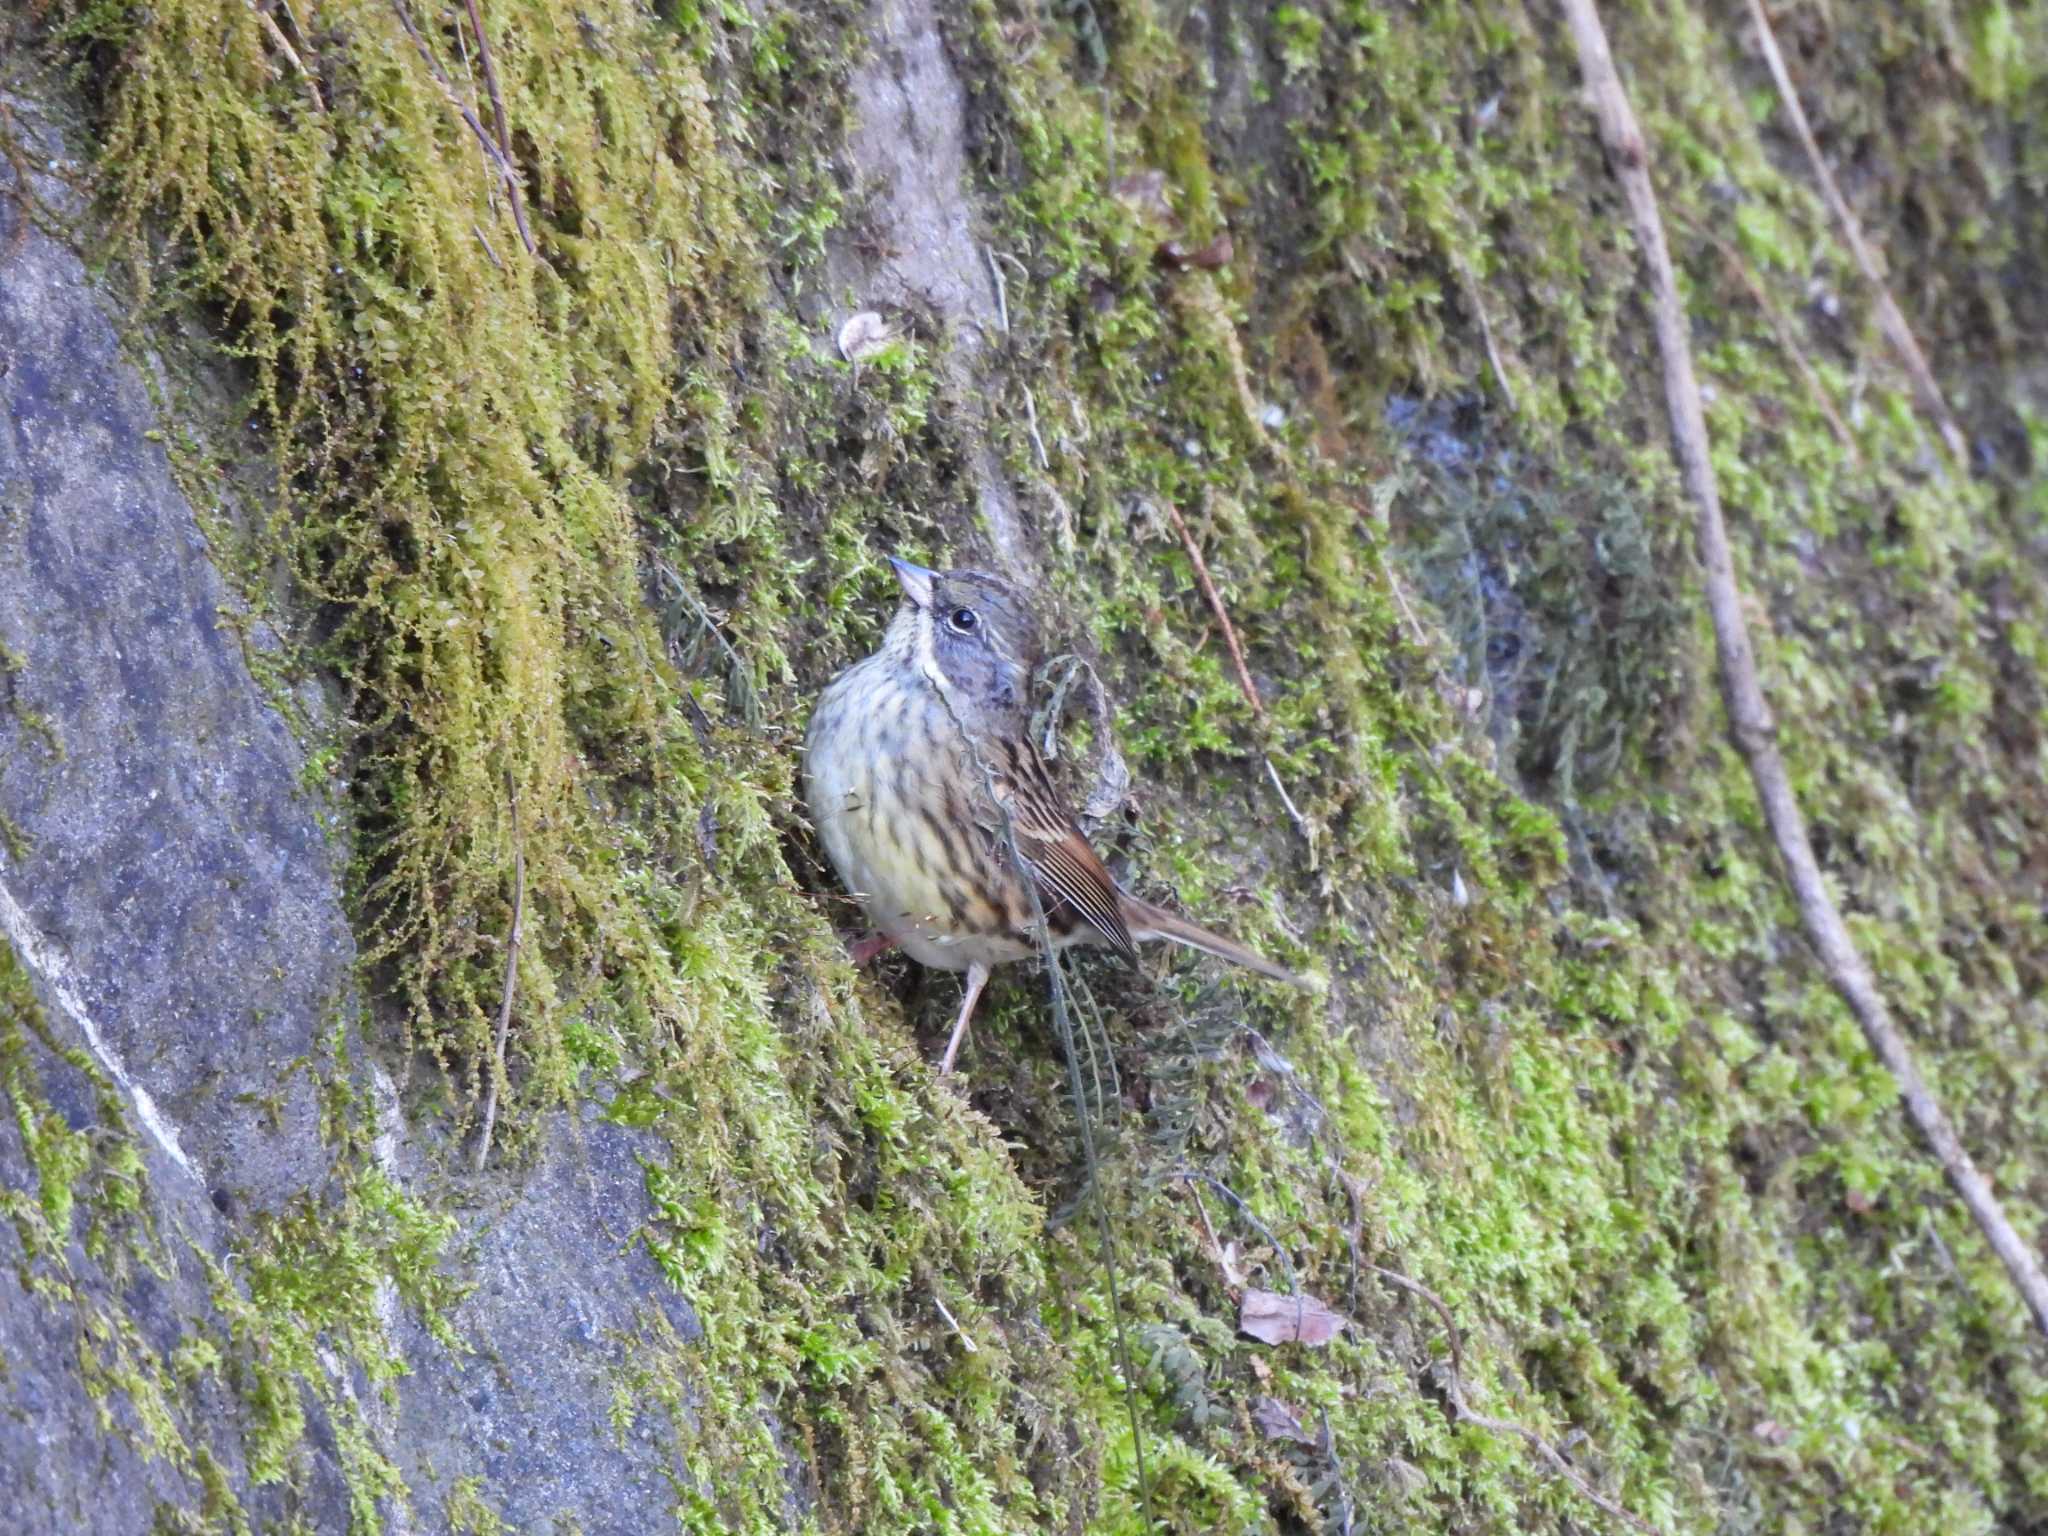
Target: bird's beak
point(916, 581)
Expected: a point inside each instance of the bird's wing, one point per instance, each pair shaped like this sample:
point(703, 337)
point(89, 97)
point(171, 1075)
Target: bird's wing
point(1068, 872)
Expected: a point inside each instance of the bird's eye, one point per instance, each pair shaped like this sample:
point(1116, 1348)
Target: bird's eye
point(964, 621)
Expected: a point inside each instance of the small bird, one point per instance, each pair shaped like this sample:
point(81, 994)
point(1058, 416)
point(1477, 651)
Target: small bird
point(919, 771)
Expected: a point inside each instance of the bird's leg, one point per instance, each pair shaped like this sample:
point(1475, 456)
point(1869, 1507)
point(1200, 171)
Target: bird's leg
point(868, 946)
point(977, 978)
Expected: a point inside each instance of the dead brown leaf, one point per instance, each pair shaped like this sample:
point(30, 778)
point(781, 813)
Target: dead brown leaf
point(1272, 1318)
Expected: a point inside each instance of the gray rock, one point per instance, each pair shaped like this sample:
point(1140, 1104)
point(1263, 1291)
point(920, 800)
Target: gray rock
point(167, 860)
point(171, 897)
point(561, 1292)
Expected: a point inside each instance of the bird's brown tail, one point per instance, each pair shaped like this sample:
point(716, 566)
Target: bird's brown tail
point(1149, 922)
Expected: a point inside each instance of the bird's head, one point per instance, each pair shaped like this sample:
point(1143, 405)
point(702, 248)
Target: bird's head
point(978, 633)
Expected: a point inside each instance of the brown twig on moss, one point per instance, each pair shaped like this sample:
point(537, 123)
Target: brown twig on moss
point(1889, 315)
point(1478, 301)
point(484, 240)
point(483, 54)
point(1187, 542)
point(483, 1141)
point(1244, 676)
point(1749, 718)
point(1739, 270)
point(1208, 1228)
point(507, 172)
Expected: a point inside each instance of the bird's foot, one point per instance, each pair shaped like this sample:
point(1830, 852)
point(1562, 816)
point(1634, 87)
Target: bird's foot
point(977, 978)
point(865, 948)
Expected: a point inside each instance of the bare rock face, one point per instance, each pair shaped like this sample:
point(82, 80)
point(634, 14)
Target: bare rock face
point(174, 901)
point(167, 873)
point(169, 893)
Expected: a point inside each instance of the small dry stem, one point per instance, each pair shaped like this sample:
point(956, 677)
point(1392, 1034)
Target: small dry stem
point(483, 1140)
point(284, 46)
point(1782, 329)
point(1244, 675)
point(1889, 315)
point(1187, 541)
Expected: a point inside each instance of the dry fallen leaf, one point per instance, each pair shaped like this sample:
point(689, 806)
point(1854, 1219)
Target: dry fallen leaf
point(1277, 1421)
point(863, 335)
point(1272, 1318)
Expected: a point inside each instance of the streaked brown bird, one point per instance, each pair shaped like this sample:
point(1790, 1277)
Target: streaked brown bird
point(919, 769)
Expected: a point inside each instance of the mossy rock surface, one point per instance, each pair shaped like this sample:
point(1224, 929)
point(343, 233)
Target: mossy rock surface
point(538, 556)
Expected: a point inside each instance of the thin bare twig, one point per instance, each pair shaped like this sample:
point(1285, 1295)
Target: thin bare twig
point(995, 272)
point(1287, 803)
point(1749, 717)
point(483, 1141)
point(1031, 426)
point(284, 46)
point(485, 241)
point(507, 171)
point(1244, 676)
point(1187, 541)
point(1500, 374)
point(469, 84)
point(1203, 1211)
point(483, 53)
point(966, 1342)
point(1889, 314)
point(1732, 259)
point(1443, 1311)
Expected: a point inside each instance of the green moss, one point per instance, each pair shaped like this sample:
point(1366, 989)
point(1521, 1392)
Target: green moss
point(1550, 1128)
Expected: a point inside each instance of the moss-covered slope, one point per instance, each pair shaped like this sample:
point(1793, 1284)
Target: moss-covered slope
point(581, 531)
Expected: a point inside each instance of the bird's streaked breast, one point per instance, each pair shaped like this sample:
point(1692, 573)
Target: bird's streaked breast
point(888, 788)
